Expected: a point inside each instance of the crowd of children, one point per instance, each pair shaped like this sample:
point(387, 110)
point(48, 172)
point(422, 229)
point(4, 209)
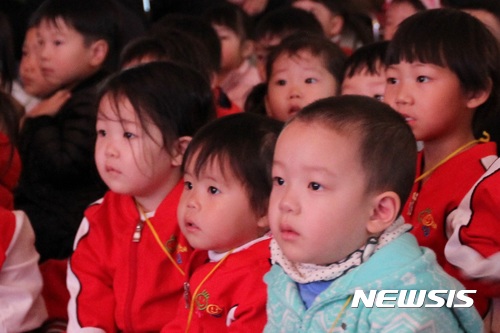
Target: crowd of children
point(250, 168)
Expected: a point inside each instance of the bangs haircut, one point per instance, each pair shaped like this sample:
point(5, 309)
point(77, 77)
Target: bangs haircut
point(245, 143)
point(175, 98)
point(455, 40)
point(94, 19)
point(385, 143)
point(370, 57)
point(332, 56)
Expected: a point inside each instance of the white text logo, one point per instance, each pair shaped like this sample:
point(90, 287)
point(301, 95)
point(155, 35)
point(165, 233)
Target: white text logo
point(413, 298)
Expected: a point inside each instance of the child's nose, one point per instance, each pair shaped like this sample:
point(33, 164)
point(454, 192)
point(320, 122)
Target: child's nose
point(403, 94)
point(111, 150)
point(294, 92)
point(288, 202)
point(192, 201)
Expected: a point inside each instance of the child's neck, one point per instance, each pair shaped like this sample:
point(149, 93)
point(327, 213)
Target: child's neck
point(437, 151)
point(150, 202)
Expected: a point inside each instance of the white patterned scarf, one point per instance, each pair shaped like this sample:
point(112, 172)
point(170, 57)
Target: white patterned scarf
point(306, 273)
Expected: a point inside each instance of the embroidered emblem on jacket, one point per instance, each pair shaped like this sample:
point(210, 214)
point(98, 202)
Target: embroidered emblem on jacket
point(426, 219)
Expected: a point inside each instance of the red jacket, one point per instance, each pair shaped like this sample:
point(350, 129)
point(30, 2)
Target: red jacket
point(232, 299)
point(117, 284)
point(439, 196)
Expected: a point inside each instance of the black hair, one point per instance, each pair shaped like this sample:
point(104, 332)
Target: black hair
point(245, 142)
point(174, 45)
point(233, 17)
point(456, 40)
point(331, 54)
point(285, 21)
point(385, 142)
point(198, 28)
point(416, 4)
point(368, 57)
point(7, 55)
point(93, 19)
point(175, 98)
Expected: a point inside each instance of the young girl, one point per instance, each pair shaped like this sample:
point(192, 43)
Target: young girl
point(237, 74)
point(443, 76)
point(128, 265)
point(302, 69)
point(223, 209)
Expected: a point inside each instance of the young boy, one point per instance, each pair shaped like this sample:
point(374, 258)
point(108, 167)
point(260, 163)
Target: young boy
point(364, 72)
point(448, 98)
point(237, 75)
point(342, 167)
point(300, 70)
point(223, 209)
point(59, 178)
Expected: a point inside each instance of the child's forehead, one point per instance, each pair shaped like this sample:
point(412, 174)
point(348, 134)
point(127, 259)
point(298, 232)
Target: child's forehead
point(56, 24)
point(303, 58)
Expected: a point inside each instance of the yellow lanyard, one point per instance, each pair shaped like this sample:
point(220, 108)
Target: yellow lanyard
point(191, 306)
point(340, 314)
point(157, 238)
point(484, 138)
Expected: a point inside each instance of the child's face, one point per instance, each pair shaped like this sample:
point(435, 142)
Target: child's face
point(319, 209)
point(214, 211)
point(430, 98)
point(395, 14)
point(34, 83)
point(130, 161)
point(366, 84)
point(330, 22)
point(295, 82)
point(65, 59)
point(232, 47)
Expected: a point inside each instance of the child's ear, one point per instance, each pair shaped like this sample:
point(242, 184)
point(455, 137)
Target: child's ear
point(179, 149)
point(99, 51)
point(385, 210)
point(336, 26)
point(477, 98)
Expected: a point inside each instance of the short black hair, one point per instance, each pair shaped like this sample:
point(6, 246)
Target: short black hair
point(368, 57)
point(174, 45)
point(197, 27)
point(93, 19)
point(176, 98)
point(231, 16)
point(456, 40)
point(330, 53)
point(285, 21)
point(245, 141)
point(385, 142)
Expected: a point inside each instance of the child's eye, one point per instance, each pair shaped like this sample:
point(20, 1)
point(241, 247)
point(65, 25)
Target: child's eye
point(101, 133)
point(188, 186)
point(315, 186)
point(311, 80)
point(57, 42)
point(128, 135)
point(379, 97)
point(391, 80)
point(213, 190)
point(422, 79)
point(278, 181)
point(280, 82)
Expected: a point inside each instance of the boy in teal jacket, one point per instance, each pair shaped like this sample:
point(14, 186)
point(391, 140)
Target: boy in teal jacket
point(342, 167)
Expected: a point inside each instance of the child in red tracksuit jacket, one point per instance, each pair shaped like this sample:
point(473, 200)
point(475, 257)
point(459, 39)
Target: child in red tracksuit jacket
point(128, 266)
point(223, 209)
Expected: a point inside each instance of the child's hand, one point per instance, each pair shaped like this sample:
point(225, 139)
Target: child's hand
point(50, 106)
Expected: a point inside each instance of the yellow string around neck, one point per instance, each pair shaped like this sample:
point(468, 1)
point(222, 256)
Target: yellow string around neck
point(191, 305)
point(484, 138)
point(158, 240)
point(340, 313)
